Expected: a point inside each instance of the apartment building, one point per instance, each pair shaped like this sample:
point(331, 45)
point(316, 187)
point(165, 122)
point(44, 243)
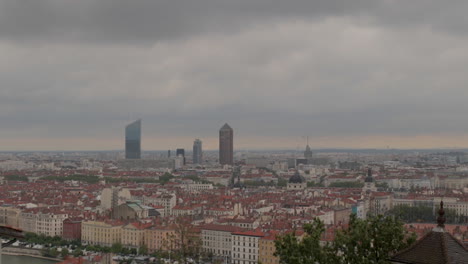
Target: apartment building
point(161, 238)
point(9, 216)
point(50, 224)
point(133, 235)
point(245, 247)
point(168, 200)
point(104, 233)
point(266, 250)
point(217, 240)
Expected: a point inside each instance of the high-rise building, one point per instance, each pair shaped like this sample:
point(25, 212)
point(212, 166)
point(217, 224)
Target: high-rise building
point(133, 140)
point(308, 152)
point(226, 145)
point(197, 151)
point(181, 152)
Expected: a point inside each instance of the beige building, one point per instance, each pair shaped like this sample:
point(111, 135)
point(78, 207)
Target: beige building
point(50, 224)
point(27, 221)
point(460, 206)
point(133, 235)
point(101, 233)
point(168, 200)
point(113, 197)
point(9, 216)
point(42, 221)
point(266, 250)
point(164, 238)
point(195, 187)
point(130, 211)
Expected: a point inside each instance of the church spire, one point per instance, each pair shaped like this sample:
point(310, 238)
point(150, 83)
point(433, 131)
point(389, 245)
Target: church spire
point(441, 217)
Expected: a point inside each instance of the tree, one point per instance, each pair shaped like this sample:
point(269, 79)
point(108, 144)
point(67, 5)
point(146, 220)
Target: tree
point(116, 248)
point(187, 241)
point(370, 241)
point(77, 252)
point(143, 250)
point(64, 253)
point(292, 250)
point(347, 184)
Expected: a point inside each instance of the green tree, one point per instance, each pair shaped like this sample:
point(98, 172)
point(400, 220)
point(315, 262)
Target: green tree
point(16, 178)
point(293, 250)
point(347, 184)
point(143, 250)
point(64, 253)
point(116, 248)
point(77, 252)
point(165, 178)
point(370, 241)
point(282, 182)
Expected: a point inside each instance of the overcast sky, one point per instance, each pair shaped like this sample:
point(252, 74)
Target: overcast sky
point(346, 73)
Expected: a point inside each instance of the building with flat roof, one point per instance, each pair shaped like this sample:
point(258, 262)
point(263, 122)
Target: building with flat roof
point(226, 145)
point(197, 152)
point(133, 140)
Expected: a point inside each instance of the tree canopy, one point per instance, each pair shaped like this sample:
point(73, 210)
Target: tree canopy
point(370, 241)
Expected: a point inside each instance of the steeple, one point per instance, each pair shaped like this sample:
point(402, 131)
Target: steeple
point(369, 176)
point(441, 218)
point(436, 246)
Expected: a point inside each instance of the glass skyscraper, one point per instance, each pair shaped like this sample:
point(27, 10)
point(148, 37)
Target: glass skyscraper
point(197, 151)
point(133, 140)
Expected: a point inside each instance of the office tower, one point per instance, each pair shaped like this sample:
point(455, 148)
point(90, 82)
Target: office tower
point(168, 153)
point(308, 152)
point(181, 152)
point(226, 145)
point(197, 152)
point(133, 140)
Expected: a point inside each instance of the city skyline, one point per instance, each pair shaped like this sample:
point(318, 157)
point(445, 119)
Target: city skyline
point(345, 74)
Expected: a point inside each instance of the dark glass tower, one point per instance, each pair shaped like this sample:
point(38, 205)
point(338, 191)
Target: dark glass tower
point(133, 140)
point(226, 145)
point(197, 152)
point(181, 152)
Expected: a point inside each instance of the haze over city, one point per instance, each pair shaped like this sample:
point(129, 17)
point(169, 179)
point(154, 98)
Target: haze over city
point(233, 132)
point(348, 74)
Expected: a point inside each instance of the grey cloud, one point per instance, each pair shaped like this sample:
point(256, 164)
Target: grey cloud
point(147, 21)
point(270, 68)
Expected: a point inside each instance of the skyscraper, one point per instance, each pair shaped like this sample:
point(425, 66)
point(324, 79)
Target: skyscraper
point(133, 140)
point(226, 145)
point(181, 152)
point(197, 151)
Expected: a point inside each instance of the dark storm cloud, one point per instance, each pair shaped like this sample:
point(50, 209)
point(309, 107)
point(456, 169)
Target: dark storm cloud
point(143, 21)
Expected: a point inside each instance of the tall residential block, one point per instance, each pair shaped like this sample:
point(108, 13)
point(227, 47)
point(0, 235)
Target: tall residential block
point(226, 145)
point(197, 151)
point(133, 140)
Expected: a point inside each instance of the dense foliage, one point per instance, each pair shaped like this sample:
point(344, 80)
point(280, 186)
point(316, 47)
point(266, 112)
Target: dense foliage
point(16, 178)
point(425, 214)
point(370, 241)
point(82, 178)
point(347, 184)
